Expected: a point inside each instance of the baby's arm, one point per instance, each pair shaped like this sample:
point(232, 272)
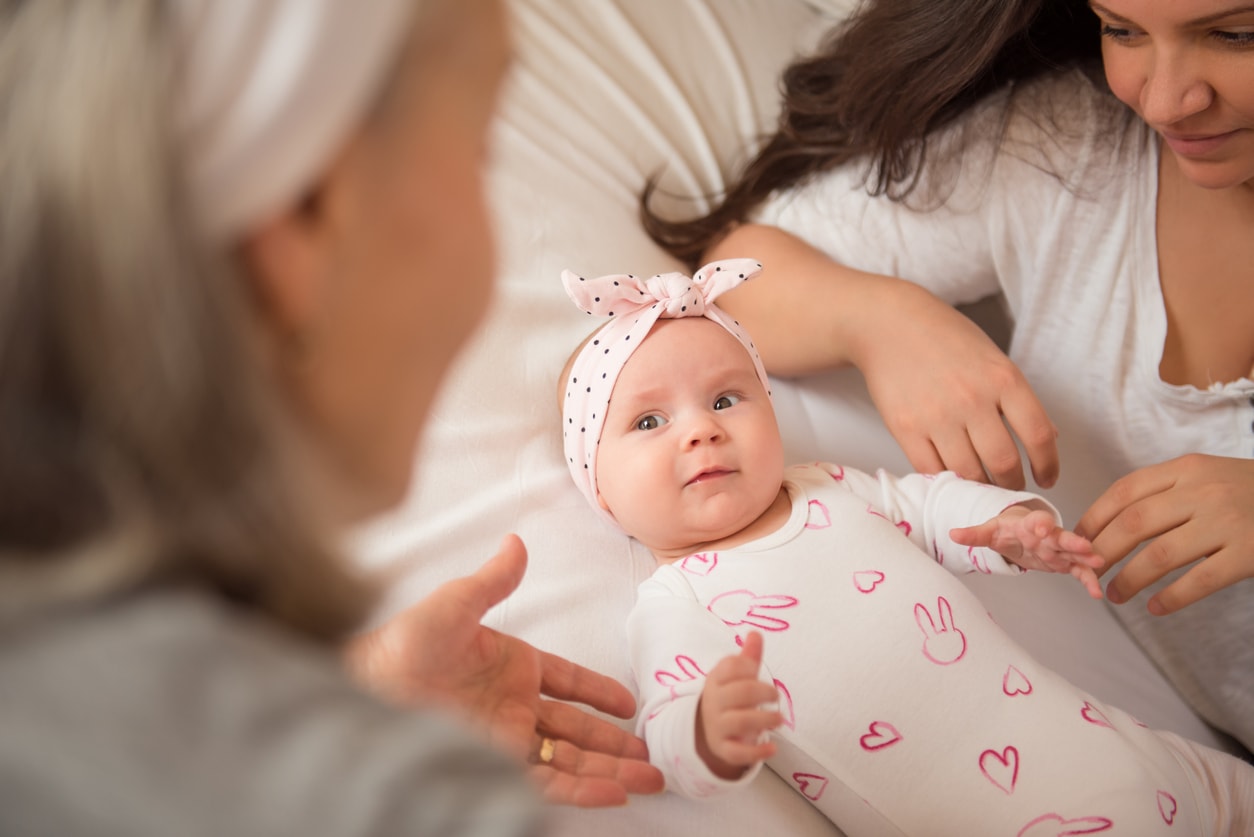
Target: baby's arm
point(1030, 538)
point(730, 717)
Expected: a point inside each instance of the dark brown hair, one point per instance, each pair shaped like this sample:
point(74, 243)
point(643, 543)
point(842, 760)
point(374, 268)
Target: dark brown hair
point(893, 73)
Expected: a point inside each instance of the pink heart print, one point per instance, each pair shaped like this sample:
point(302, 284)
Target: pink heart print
point(743, 607)
point(903, 525)
point(817, 516)
point(1167, 807)
point(945, 644)
point(1015, 682)
point(786, 707)
point(810, 785)
point(700, 563)
point(838, 474)
point(1055, 825)
point(867, 580)
point(1002, 769)
point(880, 734)
point(688, 672)
point(1095, 716)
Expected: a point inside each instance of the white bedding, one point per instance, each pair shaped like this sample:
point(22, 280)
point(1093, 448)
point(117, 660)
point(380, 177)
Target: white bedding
point(603, 94)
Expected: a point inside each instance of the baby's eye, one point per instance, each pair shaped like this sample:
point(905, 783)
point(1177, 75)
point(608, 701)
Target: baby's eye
point(650, 423)
point(725, 401)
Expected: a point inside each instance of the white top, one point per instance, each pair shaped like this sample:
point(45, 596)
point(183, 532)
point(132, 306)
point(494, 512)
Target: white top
point(1075, 255)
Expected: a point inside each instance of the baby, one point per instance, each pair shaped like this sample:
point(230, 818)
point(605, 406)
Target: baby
point(887, 695)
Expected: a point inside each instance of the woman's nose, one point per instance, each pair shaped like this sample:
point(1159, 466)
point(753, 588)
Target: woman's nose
point(1174, 89)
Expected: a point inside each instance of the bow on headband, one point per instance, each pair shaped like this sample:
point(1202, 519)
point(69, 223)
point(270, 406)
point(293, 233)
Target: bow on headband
point(634, 306)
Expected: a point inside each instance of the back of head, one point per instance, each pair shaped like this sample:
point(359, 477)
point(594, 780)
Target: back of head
point(138, 436)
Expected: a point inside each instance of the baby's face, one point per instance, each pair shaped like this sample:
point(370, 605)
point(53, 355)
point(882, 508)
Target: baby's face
point(690, 452)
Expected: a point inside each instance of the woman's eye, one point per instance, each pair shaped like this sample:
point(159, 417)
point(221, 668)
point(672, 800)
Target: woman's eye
point(725, 401)
point(1234, 39)
point(1116, 33)
point(650, 423)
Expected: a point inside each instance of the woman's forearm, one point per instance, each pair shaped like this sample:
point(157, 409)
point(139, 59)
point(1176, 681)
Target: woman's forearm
point(806, 312)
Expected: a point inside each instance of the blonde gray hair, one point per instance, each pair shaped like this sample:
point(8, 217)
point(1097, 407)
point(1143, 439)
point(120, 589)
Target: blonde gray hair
point(139, 435)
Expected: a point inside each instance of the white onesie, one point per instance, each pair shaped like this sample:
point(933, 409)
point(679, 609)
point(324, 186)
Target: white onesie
point(907, 710)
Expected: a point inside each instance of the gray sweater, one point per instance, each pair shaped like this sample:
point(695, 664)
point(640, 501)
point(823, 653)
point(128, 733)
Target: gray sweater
point(171, 713)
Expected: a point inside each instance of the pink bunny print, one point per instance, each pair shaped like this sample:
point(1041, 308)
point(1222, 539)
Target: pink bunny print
point(688, 672)
point(979, 559)
point(743, 607)
point(945, 644)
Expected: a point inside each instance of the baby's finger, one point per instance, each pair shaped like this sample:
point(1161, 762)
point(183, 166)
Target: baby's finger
point(744, 754)
point(741, 694)
point(747, 725)
point(981, 535)
point(1069, 541)
point(1088, 578)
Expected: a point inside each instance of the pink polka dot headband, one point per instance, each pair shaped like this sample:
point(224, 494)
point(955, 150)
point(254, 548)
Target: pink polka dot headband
point(634, 305)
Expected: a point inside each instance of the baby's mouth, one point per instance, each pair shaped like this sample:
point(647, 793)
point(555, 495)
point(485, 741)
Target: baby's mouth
point(709, 474)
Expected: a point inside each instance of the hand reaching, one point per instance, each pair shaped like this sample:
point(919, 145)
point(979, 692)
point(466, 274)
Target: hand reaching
point(730, 720)
point(1195, 509)
point(960, 411)
point(437, 652)
point(1031, 539)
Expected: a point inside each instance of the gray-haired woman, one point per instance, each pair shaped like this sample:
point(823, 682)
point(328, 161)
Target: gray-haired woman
point(227, 232)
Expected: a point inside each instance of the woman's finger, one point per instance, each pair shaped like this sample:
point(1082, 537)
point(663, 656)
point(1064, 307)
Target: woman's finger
point(1031, 424)
point(996, 449)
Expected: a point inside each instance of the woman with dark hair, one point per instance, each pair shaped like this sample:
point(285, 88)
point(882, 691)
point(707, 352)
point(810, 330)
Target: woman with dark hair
point(1095, 165)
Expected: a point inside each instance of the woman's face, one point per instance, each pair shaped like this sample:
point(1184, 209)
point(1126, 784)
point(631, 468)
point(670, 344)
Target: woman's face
point(1187, 69)
point(412, 263)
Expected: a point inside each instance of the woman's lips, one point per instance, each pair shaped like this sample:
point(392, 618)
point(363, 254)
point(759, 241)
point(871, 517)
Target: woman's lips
point(1196, 145)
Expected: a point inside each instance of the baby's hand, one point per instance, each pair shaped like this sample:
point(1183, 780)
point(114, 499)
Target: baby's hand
point(1031, 539)
point(730, 720)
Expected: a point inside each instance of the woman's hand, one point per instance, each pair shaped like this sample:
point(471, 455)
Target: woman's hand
point(947, 393)
point(437, 652)
point(1196, 509)
point(951, 398)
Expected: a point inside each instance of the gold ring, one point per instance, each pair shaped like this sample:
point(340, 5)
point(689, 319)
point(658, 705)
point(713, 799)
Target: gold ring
point(547, 747)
